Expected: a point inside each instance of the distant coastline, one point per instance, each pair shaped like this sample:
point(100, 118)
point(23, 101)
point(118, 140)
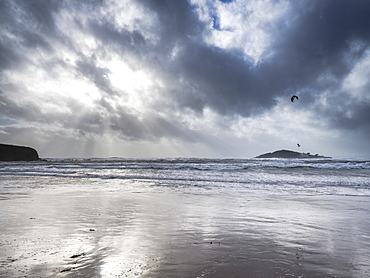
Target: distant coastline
point(290, 154)
point(17, 153)
point(23, 153)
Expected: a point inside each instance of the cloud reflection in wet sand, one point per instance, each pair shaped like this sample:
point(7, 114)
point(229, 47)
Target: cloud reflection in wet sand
point(96, 233)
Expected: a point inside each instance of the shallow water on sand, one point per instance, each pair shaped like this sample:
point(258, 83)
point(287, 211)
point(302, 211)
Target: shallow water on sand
point(94, 231)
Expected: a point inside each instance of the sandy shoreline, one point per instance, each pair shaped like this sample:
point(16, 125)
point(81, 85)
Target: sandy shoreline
point(100, 233)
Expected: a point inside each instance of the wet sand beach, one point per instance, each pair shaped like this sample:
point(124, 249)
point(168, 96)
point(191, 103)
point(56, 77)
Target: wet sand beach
point(90, 232)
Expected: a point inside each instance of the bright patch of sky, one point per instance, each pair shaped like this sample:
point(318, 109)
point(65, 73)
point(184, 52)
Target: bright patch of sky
point(245, 25)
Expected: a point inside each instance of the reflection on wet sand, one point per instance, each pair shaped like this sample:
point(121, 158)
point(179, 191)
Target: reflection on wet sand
point(96, 233)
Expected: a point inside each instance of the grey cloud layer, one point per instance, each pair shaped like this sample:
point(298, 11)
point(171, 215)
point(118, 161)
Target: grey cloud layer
point(315, 48)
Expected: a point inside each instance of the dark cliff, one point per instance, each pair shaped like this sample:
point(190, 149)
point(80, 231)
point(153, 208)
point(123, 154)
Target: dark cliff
point(17, 153)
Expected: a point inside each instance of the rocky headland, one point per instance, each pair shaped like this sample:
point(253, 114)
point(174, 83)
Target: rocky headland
point(289, 154)
point(17, 153)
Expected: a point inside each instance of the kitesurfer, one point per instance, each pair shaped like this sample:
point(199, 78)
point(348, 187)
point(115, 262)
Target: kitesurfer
point(298, 145)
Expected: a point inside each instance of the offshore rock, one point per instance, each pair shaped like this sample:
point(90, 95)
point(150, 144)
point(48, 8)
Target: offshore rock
point(17, 153)
point(289, 154)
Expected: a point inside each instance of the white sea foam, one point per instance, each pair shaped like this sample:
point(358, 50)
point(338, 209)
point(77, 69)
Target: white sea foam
point(256, 176)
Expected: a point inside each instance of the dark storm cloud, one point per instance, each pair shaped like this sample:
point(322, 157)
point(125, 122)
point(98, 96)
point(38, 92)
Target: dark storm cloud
point(8, 57)
point(216, 78)
point(358, 118)
point(328, 39)
point(126, 41)
point(41, 12)
point(178, 22)
point(320, 39)
point(224, 80)
point(29, 23)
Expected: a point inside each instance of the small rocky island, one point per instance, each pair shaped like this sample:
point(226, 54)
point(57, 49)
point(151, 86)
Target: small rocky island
point(289, 154)
point(17, 153)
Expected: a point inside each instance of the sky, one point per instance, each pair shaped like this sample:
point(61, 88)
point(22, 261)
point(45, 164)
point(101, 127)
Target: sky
point(196, 78)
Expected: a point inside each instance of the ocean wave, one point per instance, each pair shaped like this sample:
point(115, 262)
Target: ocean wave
point(196, 164)
point(268, 175)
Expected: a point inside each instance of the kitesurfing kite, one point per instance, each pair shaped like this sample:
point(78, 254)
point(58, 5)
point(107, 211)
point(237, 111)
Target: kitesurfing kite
point(298, 145)
point(293, 97)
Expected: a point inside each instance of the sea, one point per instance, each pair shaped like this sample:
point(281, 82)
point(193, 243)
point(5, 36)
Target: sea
point(321, 176)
